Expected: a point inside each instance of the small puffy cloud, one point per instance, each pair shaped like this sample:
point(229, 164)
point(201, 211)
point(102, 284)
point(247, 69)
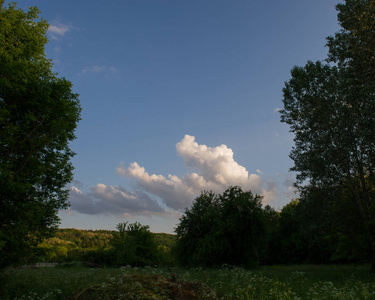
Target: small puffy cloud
point(217, 170)
point(57, 30)
point(97, 69)
point(115, 200)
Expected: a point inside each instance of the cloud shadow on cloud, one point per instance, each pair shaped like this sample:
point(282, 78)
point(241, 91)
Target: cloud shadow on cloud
point(114, 200)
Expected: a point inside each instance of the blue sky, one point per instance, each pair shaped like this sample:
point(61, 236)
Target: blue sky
point(179, 97)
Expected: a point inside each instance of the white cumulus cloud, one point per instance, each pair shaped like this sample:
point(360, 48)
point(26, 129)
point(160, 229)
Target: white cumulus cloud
point(216, 164)
point(212, 169)
point(216, 171)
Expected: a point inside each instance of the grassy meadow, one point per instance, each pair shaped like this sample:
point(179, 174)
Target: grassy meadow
point(273, 282)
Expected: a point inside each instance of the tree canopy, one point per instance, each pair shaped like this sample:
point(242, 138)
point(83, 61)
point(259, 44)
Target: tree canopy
point(134, 244)
point(221, 229)
point(38, 117)
point(330, 109)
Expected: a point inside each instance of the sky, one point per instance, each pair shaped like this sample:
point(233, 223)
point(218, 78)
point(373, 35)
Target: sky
point(179, 97)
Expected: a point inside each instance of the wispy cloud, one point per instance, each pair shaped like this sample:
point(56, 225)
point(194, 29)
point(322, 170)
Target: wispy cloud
point(97, 69)
point(215, 168)
point(57, 30)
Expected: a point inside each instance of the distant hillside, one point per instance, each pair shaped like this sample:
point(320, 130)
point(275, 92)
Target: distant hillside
point(70, 244)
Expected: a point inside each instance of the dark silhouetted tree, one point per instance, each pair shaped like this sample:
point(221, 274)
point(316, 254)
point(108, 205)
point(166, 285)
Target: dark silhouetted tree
point(134, 245)
point(330, 109)
point(221, 229)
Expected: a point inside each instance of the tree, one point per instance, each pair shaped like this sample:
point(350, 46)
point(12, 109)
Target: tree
point(197, 233)
point(330, 109)
point(354, 45)
point(134, 245)
point(38, 117)
point(270, 250)
point(221, 229)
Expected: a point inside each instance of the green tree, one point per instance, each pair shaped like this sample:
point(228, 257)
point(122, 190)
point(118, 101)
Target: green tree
point(134, 245)
point(270, 250)
point(330, 109)
point(333, 227)
point(291, 242)
point(319, 221)
point(354, 45)
point(221, 229)
point(38, 116)
point(197, 233)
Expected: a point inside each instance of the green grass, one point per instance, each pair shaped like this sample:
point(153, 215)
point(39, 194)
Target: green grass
point(50, 283)
point(276, 282)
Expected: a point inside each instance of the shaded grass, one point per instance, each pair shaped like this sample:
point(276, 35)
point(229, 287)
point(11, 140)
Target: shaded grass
point(50, 283)
point(272, 282)
point(295, 282)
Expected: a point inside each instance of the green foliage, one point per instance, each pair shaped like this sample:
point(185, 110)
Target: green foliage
point(134, 245)
point(354, 46)
point(95, 247)
point(334, 226)
point(269, 249)
point(220, 229)
point(76, 245)
point(290, 239)
point(165, 240)
point(330, 109)
point(324, 226)
point(38, 116)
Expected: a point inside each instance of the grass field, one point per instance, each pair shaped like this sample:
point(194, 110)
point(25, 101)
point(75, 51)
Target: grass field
point(276, 282)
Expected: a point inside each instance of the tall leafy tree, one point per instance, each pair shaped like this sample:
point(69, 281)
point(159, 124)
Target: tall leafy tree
point(330, 109)
point(354, 44)
point(197, 232)
point(38, 116)
point(221, 229)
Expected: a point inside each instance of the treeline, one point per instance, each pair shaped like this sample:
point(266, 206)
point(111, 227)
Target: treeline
point(101, 247)
point(234, 228)
point(323, 226)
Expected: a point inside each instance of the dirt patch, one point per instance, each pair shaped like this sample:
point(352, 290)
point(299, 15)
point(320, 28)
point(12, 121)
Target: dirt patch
point(145, 286)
